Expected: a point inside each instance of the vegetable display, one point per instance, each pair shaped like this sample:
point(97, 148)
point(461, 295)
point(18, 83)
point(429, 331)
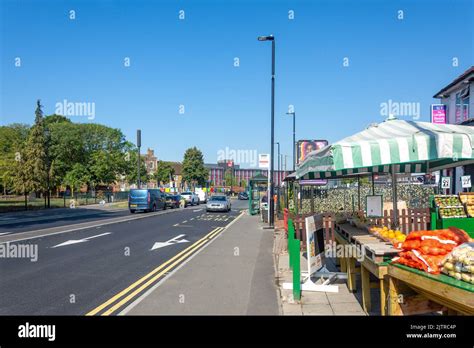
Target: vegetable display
point(427, 250)
point(443, 201)
point(450, 206)
point(467, 199)
point(394, 236)
point(459, 263)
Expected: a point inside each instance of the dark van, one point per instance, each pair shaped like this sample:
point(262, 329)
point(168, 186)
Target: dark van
point(146, 200)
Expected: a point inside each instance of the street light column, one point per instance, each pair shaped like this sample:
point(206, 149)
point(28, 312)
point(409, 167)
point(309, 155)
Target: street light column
point(294, 141)
point(270, 179)
point(271, 200)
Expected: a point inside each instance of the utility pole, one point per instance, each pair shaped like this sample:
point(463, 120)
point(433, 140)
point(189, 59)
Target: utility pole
point(270, 198)
point(139, 144)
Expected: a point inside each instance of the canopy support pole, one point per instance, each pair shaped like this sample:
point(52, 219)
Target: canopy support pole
point(373, 185)
point(358, 192)
point(394, 198)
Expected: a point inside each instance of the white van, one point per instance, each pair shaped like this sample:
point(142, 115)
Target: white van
point(201, 194)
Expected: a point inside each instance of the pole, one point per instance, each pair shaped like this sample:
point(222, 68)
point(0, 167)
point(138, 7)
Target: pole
point(294, 142)
point(139, 144)
point(394, 198)
point(373, 185)
point(278, 179)
point(271, 201)
point(358, 192)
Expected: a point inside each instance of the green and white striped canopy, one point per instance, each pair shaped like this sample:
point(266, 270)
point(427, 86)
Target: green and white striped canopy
point(412, 147)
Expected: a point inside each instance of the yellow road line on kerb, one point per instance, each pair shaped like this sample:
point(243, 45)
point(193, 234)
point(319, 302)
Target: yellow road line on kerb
point(158, 276)
point(141, 280)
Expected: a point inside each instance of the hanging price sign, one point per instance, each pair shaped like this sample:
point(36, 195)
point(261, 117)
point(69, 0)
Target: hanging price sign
point(466, 181)
point(446, 182)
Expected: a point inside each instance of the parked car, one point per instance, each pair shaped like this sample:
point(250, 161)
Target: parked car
point(173, 201)
point(243, 196)
point(190, 197)
point(202, 195)
point(146, 200)
point(218, 203)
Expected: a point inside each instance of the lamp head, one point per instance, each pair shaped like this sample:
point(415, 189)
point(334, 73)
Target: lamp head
point(266, 38)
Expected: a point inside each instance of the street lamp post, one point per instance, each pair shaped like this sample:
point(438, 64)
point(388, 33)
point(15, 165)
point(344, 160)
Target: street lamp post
point(278, 178)
point(270, 199)
point(294, 138)
point(139, 144)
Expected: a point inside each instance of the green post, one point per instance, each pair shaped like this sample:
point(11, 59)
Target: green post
point(296, 270)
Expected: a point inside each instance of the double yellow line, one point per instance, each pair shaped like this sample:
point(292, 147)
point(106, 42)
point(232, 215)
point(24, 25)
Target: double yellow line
point(119, 300)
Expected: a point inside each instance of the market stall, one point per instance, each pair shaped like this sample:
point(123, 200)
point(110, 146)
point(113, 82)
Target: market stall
point(397, 146)
point(394, 146)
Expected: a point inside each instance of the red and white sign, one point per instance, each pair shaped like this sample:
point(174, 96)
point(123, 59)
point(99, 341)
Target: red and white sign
point(264, 161)
point(438, 113)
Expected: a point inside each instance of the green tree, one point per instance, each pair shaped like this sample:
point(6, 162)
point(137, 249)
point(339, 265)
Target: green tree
point(243, 183)
point(35, 155)
point(12, 139)
point(194, 171)
point(230, 180)
point(77, 177)
point(164, 171)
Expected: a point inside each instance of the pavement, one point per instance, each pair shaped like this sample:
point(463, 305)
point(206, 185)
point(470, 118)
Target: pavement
point(312, 303)
point(233, 275)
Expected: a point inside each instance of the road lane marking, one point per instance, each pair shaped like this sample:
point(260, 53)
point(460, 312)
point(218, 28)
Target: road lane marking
point(75, 241)
point(172, 241)
point(184, 221)
point(161, 281)
point(158, 276)
point(176, 225)
point(79, 227)
point(141, 280)
point(3, 233)
point(196, 210)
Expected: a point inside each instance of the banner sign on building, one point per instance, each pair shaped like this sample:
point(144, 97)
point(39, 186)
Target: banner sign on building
point(438, 114)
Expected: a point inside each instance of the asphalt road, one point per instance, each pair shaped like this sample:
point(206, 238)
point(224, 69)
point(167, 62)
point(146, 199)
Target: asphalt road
point(73, 275)
point(33, 220)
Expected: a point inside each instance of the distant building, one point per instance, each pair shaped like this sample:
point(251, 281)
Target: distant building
point(150, 161)
point(242, 176)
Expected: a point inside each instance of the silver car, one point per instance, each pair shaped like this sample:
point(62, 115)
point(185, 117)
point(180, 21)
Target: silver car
point(218, 203)
point(190, 198)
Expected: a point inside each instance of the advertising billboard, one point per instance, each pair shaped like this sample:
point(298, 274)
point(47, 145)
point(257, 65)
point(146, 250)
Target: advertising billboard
point(306, 146)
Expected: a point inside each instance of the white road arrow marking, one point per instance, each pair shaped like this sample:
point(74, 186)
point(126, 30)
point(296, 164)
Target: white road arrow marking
point(74, 241)
point(172, 241)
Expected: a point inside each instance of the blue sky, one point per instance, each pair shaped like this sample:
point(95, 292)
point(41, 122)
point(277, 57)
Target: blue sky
point(190, 62)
